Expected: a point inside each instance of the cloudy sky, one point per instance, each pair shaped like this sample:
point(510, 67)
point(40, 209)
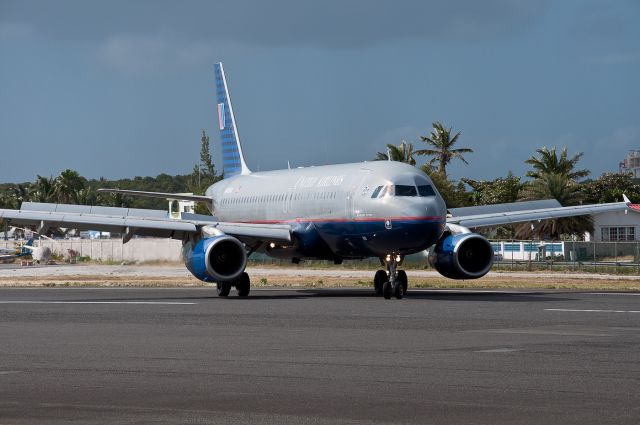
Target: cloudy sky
point(124, 88)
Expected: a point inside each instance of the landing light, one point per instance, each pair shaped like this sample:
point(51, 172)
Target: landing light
point(272, 245)
point(388, 257)
point(398, 258)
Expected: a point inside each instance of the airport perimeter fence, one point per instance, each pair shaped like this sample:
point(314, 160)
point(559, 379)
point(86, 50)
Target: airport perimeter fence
point(515, 255)
point(598, 257)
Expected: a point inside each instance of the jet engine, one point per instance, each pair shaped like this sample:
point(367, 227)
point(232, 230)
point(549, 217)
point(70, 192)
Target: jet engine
point(220, 258)
point(462, 256)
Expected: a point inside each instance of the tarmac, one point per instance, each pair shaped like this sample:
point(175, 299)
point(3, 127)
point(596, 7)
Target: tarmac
point(318, 356)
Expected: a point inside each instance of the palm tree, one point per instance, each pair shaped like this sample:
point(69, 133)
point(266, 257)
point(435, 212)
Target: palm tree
point(43, 189)
point(564, 190)
point(67, 185)
point(20, 193)
point(85, 196)
point(403, 153)
point(548, 162)
point(441, 149)
point(555, 177)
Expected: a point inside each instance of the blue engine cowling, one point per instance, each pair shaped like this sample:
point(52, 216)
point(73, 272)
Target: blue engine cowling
point(220, 258)
point(462, 256)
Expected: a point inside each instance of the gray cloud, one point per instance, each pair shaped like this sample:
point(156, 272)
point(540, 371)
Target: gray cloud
point(328, 24)
point(603, 20)
point(141, 54)
point(14, 30)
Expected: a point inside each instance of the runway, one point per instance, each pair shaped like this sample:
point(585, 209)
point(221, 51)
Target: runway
point(158, 355)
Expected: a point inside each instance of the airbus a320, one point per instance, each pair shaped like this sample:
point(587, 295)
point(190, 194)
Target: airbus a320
point(380, 209)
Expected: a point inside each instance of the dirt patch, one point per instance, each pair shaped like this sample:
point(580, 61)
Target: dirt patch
point(292, 278)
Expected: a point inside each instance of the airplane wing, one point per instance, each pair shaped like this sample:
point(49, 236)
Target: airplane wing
point(134, 221)
point(162, 195)
point(512, 217)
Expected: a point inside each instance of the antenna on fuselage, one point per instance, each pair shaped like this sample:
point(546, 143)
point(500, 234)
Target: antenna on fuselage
point(288, 165)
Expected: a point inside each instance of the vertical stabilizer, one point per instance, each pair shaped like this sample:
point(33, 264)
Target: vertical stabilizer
point(232, 159)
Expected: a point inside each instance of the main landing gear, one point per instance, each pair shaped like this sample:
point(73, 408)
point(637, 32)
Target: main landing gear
point(393, 281)
point(241, 283)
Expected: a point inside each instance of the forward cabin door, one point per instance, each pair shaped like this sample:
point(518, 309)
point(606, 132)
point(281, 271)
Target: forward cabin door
point(354, 188)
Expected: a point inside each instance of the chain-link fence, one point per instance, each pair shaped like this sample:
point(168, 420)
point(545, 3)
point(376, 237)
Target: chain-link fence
point(599, 257)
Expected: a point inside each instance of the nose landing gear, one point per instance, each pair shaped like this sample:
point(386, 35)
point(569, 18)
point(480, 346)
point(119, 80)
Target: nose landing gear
point(393, 282)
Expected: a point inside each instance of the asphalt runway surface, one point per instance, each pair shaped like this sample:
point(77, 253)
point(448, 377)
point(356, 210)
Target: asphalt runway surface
point(140, 355)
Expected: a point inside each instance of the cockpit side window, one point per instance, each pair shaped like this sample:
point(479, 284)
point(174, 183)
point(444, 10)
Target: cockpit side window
point(376, 192)
point(426, 190)
point(406, 190)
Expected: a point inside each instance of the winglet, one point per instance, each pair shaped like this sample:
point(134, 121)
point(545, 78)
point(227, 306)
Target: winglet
point(625, 199)
point(232, 159)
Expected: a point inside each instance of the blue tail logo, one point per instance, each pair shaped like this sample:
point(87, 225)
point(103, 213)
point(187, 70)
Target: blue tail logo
point(233, 162)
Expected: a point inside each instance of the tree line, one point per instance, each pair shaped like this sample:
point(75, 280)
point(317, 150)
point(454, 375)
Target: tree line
point(553, 175)
point(69, 187)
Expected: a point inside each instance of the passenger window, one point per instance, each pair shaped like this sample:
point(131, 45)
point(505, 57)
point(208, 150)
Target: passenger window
point(404, 190)
point(376, 192)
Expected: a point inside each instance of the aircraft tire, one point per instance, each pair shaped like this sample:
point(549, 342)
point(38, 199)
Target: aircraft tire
point(243, 285)
point(402, 277)
point(387, 290)
point(223, 288)
point(378, 282)
point(397, 290)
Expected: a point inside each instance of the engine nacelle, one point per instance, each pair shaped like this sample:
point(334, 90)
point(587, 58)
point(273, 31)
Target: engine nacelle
point(219, 258)
point(462, 256)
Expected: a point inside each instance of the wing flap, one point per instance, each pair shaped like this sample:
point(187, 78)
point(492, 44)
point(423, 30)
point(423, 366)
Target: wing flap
point(512, 217)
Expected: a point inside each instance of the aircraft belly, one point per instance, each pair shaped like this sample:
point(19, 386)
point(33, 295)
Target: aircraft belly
point(358, 239)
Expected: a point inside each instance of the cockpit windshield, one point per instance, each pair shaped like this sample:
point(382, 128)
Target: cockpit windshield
point(406, 190)
point(426, 190)
point(403, 190)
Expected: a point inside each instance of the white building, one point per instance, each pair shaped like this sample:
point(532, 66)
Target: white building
point(617, 226)
point(631, 164)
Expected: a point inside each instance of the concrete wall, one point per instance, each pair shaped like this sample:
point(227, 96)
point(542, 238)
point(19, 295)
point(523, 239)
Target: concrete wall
point(137, 249)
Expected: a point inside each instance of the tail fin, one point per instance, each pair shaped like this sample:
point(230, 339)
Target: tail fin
point(29, 242)
point(232, 158)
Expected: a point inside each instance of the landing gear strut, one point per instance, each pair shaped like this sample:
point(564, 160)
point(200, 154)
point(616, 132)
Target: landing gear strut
point(394, 281)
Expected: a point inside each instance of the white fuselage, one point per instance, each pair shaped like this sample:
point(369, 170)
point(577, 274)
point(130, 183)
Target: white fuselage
point(346, 210)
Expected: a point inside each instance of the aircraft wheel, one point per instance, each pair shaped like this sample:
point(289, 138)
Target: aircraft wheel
point(402, 278)
point(243, 285)
point(378, 280)
point(223, 288)
point(387, 290)
point(397, 290)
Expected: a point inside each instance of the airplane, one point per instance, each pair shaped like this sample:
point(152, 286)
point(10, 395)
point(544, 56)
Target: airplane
point(380, 209)
point(10, 255)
